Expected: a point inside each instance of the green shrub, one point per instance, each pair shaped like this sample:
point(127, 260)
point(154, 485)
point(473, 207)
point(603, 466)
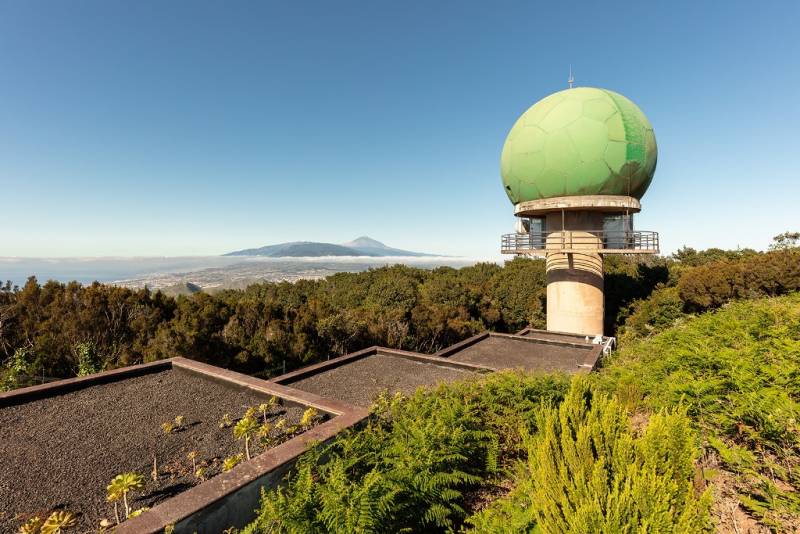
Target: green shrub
point(588, 472)
point(17, 371)
point(519, 292)
point(628, 280)
point(88, 359)
point(736, 370)
point(661, 310)
point(712, 285)
point(689, 257)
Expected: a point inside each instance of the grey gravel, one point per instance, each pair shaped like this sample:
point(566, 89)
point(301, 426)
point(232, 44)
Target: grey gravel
point(62, 452)
point(361, 381)
point(510, 353)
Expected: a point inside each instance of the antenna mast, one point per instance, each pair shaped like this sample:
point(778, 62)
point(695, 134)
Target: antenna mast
point(571, 79)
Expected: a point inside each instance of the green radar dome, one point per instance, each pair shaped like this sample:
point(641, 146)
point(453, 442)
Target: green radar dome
point(581, 141)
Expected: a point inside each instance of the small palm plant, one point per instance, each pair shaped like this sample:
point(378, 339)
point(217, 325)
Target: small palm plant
point(231, 462)
point(200, 473)
point(226, 421)
point(263, 433)
point(244, 429)
point(179, 421)
point(58, 522)
point(193, 457)
point(119, 488)
point(32, 526)
point(154, 472)
point(139, 512)
point(308, 419)
point(167, 428)
point(265, 407)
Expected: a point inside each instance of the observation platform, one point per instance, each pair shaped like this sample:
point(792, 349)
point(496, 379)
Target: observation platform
point(581, 242)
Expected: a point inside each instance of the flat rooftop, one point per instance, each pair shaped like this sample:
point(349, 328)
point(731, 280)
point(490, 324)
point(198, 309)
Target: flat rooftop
point(359, 378)
point(61, 449)
point(504, 351)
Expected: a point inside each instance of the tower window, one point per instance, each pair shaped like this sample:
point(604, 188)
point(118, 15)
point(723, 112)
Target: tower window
point(616, 230)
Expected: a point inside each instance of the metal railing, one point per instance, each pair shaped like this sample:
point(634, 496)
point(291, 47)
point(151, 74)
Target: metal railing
point(604, 242)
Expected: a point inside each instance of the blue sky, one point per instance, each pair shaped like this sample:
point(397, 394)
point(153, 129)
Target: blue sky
point(193, 128)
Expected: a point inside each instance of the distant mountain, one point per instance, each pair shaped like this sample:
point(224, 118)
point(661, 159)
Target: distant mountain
point(370, 247)
point(362, 246)
point(297, 249)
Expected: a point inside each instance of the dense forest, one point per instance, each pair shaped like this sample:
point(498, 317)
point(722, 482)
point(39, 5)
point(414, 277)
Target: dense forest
point(56, 330)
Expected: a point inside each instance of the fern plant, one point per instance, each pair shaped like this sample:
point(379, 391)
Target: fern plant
point(408, 468)
point(586, 471)
point(736, 371)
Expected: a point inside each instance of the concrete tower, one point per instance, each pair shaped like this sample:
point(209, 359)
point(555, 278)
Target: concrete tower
point(575, 165)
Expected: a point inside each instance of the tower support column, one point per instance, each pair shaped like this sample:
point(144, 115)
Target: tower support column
point(575, 302)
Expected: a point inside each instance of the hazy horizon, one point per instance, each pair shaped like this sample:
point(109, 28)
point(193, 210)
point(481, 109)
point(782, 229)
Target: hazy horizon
point(205, 271)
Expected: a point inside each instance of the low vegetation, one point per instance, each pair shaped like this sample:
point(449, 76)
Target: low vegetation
point(411, 467)
point(736, 372)
point(702, 287)
point(588, 471)
point(687, 430)
point(244, 430)
point(232, 461)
